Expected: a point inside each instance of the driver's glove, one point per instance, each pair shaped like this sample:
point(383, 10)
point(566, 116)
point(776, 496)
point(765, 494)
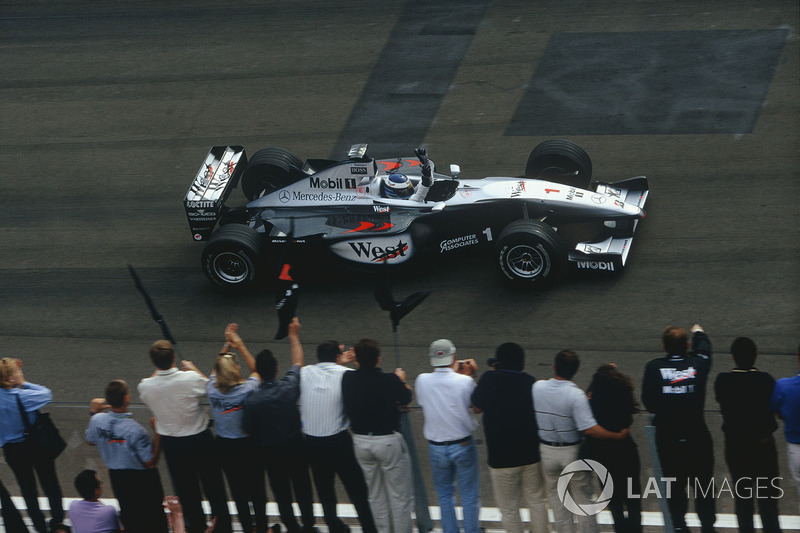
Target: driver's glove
point(422, 155)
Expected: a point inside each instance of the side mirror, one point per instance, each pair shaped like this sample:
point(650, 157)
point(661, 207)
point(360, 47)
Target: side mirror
point(438, 207)
point(455, 170)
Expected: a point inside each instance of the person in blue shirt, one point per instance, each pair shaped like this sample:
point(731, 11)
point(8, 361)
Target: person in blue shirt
point(227, 391)
point(17, 394)
point(130, 455)
point(786, 403)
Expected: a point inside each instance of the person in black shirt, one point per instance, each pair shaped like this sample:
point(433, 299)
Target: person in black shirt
point(674, 390)
point(372, 400)
point(613, 404)
point(504, 397)
point(272, 418)
point(747, 422)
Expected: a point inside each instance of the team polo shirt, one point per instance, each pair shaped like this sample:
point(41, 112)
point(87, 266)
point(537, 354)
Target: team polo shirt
point(33, 397)
point(174, 398)
point(786, 402)
point(123, 443)
point(227, 407)
point(562, 411)
point(444, 397)
point(321, 407)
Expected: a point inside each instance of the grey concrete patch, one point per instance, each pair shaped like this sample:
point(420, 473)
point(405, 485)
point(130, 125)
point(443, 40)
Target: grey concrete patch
point(674, 82)
point(412, 76)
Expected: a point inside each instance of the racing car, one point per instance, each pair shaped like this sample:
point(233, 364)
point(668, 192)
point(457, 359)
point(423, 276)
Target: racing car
point(534, 228)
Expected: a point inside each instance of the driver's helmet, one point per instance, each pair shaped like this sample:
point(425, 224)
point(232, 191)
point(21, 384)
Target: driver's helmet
point(396, 185)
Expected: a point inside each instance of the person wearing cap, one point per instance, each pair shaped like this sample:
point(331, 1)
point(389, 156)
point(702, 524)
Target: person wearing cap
point(564, 415)
point(372, 401)
point(444, 396)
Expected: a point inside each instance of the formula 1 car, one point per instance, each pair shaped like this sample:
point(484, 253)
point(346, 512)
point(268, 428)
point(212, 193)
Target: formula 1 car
point(341, 210)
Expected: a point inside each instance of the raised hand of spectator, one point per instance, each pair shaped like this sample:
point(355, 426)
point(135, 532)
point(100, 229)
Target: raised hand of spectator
point(98, 405)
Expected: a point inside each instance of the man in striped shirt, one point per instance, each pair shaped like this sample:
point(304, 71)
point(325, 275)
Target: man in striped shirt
point(330, 445)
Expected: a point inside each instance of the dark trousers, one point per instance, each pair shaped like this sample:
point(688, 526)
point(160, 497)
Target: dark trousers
point(245, 478)
point(621, 458)
point(191, 462)
point(331, 456)
point(690, 460)
point(140, 496)
point(754, 469)
point(287, 469)
point(12, 520)
point(25, 461)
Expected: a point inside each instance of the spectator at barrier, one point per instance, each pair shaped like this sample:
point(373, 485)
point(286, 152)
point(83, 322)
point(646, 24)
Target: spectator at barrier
point(613, 405)
point(227, 390)
point(563, 415)
point(130, 456)
point(674, 390)
point(271, 416)
point(174, 396)
point(747, 423)
point(372, 402)
point(12, 520)
point(445, 398)
point(24, 459)
point(786, 403)
point(330, 445)
point(89, 515)
point(504, 397)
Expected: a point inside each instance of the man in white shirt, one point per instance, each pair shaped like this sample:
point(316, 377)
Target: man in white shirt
point(174, 397)
point(563, 415)
point(444, 396)
point(330, 446)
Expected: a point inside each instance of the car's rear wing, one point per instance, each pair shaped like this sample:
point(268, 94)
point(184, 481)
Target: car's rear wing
point(215, 180)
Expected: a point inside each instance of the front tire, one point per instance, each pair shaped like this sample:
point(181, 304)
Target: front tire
point(560, 161)
point(268, 170)
point(530, 253)
point(231, 256)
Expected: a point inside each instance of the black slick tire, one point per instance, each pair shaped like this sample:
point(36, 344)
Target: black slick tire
point(232, 255)
point(530, 253)
point(560, 161)
point(268, 170)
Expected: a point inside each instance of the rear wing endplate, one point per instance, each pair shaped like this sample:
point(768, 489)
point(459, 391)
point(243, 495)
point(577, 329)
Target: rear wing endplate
point(212, 185)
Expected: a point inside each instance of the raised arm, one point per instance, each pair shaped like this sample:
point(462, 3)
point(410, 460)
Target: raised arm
point(294, 339)
point(233, 340)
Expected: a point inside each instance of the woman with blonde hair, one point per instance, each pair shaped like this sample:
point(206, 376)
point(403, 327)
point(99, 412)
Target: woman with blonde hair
point(16, 396)
point(227, 390)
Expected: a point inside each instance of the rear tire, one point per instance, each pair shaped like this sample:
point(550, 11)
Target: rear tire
point(268, 170)
point(530, 253)
point(232, 255)
point(560, 161)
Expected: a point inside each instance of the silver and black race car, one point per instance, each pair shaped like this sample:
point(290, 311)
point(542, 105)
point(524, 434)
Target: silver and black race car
point(534, 228)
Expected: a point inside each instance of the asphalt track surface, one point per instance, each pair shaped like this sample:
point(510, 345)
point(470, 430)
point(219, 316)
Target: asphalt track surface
point(107, 109)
